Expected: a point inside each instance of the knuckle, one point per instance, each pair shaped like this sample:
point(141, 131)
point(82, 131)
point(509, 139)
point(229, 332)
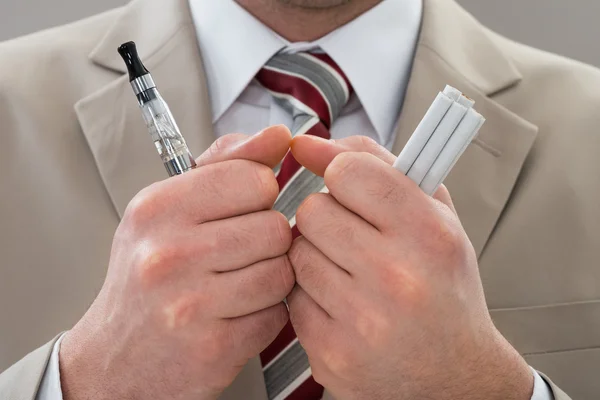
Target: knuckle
point(280, 317)
point(298, 317)
point(318, 373)
point(214, 178)
point(318, 215)
point(144, 206)
point(430, 226)
point(222, 144)
point(287, 276)
point(213, 244)
point(390, 192)
point(221, 149)
point(155, 262)
point(320, 370)
point(373, 326)
point(301, 258)
point(445, 240)
point(442, 192)
point(278, 230)
point(265, 328)
point(403, 285)
point(215, 149)
point(345, 232)
point(210, 177)
point(452, 247)
point(345, 166)
point(341, 362)
point(228, 239)
point(309, 209)
point(310, 275)
point(180, 312)
point(264, 183)
point(368, 144)
point(277, 279)
point(296, 250)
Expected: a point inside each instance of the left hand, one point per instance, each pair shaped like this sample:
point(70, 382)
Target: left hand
point(389, 303)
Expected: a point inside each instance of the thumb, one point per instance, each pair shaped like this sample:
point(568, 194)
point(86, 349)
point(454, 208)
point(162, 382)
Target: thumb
point(315, 153)
point(267, 147)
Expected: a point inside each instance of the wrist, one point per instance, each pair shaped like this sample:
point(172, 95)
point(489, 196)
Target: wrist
point(97, 363)
point(81, 372)
point(507, 374)
point(488, 368)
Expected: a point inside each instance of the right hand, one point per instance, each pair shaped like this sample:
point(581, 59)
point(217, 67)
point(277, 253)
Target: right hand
point(197, 275)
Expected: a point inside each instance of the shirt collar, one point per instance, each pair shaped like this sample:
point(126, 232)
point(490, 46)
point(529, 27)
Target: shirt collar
point(375, 51)
point(234, 46)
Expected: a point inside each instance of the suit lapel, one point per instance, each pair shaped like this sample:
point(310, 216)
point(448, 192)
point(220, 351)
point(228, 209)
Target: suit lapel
point(455, 49)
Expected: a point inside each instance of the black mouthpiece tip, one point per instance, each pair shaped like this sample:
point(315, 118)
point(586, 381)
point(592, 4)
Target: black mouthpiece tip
point(134, 65)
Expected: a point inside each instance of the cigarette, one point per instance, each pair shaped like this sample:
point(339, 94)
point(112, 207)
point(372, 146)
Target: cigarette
point(436, 143)
point(425, 129)
point(457, 157)
point(457, 144)
point(440, 139)
point(458, 96)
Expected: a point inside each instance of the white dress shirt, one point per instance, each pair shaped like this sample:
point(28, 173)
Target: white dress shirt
point(375, 51)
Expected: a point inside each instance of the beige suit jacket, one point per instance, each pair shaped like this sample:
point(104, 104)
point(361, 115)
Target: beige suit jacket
point(74, 151)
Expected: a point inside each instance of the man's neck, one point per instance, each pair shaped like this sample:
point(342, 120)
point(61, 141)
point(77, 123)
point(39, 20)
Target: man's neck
point(304, 23)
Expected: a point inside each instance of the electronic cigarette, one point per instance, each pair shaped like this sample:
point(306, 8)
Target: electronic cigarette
point(162, 127)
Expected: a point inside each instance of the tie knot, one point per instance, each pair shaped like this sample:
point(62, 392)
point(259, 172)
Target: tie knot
point(307, 84)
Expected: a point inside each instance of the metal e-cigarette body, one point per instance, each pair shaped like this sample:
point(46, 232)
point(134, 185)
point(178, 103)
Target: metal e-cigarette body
point(162, 127)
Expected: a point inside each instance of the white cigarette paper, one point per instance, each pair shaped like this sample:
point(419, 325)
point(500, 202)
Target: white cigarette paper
point(424, 130)
point(436, 143)
point(464, 148)
point(457, 96)
point(450, 124)
point(453, 93)
point(456, 145)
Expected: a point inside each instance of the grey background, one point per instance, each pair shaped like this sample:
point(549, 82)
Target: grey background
point(567, 27)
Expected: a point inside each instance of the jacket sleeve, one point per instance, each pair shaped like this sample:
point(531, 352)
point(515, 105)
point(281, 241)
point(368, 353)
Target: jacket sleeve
point(556, 391)
point(22, 380)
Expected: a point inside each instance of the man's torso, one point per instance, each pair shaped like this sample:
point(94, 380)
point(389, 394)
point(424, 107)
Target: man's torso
point(533, 216)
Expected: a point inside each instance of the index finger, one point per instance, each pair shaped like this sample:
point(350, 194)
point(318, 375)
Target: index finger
point(375, 190)
point(315, 153)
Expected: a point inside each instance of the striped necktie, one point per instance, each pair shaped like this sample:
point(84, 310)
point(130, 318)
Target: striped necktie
point(313, 89)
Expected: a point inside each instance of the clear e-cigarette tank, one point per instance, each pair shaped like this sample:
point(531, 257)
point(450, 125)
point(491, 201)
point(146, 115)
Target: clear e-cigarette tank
point(160, 122)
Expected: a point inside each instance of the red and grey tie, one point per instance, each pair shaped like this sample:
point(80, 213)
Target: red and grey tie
point(314, 90)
